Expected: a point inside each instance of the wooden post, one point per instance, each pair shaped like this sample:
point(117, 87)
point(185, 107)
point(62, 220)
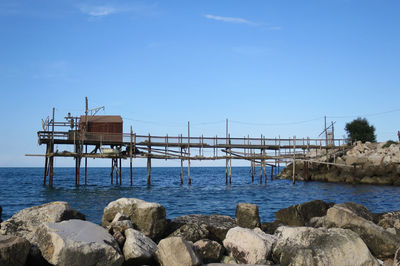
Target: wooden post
point(294, 159)
point(181, 141)
point(226, 155)
point(252, 171)
point(149, 163)
point(112, 171)
point(120, 170)
point(230, 161)
point(46, 160)
point(130, 156)
point(189, 179)
point(85, 165)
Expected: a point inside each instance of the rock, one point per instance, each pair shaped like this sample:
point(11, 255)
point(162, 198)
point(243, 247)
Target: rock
point(357, 209)
point(300, 214)
point(209, 250)
point(120, 238)
point(77, 242)
point(217, 225)
point(381, 243)
point(390, 220)
point(138, 248)
point(14, 250)
point(269, 228)
point(311, 246)
point(147, 217)
point(226, 260)
point(192, 232)
point(25, 222)
point(175, 251)
point(247, 215)
point(248, 246)
point(119, 226)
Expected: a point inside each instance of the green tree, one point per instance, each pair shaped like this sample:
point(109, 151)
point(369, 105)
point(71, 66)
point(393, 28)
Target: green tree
point(360, 129)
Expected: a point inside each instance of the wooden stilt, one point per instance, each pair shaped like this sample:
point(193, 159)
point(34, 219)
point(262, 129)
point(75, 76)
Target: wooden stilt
point(86, 166)
point(112, 171)
point(149, 161)
point(148, 170)
point(189, 179)
point(181, 160)
point(252, 171)
point(120, 171)
point(294, 159)
point(130, 157)
point(46, 160)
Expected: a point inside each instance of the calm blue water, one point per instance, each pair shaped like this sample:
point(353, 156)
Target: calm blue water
point(22, 187)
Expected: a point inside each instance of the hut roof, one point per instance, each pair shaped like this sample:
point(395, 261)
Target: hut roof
point(102, 119)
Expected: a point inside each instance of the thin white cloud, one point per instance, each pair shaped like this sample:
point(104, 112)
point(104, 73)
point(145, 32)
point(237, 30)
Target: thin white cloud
point(98, 11)
point(230, 19)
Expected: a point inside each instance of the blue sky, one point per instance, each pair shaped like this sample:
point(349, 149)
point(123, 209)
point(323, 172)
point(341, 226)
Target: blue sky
point(271, 67)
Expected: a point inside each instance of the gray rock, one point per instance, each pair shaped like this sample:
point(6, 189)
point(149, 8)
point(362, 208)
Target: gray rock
point(77, 242)
point(209, 250)
point(247, 215)
point(381, 243)
point(358, 209)
point(249, 246)
point(311, 246)
point(119, 226)
point(138, 248)
point(25, 222)
point(269, 228)
point(192, 232)
point(147, 217)
point(390, 220)
point(217, 225)
point(14, 250)
point(300, 214)
point(175, 251)
point(120, 238)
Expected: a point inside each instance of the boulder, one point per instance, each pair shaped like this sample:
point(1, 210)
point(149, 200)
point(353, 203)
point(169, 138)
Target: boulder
point(25, 222)
point(381, 243)
point(175, 251)
point(192, 232)
point(217, 225)
point(147, 217)
point(248, 246)
point(311, 246)
point(247, 215)
point(209, 250)
point(119, 226)
point(138, 248)
point(120, 238)
point(300, 214)
point(390, 220)
point(358, 209)
point(77, 242)
point(269, 228)
point(14, 250)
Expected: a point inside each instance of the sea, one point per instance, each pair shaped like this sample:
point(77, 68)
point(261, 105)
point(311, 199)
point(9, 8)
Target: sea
point(208, 194)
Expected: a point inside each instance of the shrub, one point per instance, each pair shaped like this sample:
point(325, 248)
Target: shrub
point(360, 129)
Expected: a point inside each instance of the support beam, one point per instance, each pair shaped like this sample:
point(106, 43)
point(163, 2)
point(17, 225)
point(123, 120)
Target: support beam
point(130, 157)
point(189, 179)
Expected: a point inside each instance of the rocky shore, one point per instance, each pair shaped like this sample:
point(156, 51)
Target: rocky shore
point(361, 163)
point(135, 232)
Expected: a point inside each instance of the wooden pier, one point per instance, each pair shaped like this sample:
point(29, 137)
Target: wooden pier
point(78, 133)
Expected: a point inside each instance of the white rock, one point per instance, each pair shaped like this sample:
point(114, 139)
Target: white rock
point(311, 246)
point(77, 242)
point(248, 246)
point(138, 248)
point(174, 251)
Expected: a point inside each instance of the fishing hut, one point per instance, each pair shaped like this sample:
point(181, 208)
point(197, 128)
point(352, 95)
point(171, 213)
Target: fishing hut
point(102, 136)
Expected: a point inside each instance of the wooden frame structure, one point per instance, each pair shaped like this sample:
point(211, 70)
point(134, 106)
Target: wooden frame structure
point(260, 151)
